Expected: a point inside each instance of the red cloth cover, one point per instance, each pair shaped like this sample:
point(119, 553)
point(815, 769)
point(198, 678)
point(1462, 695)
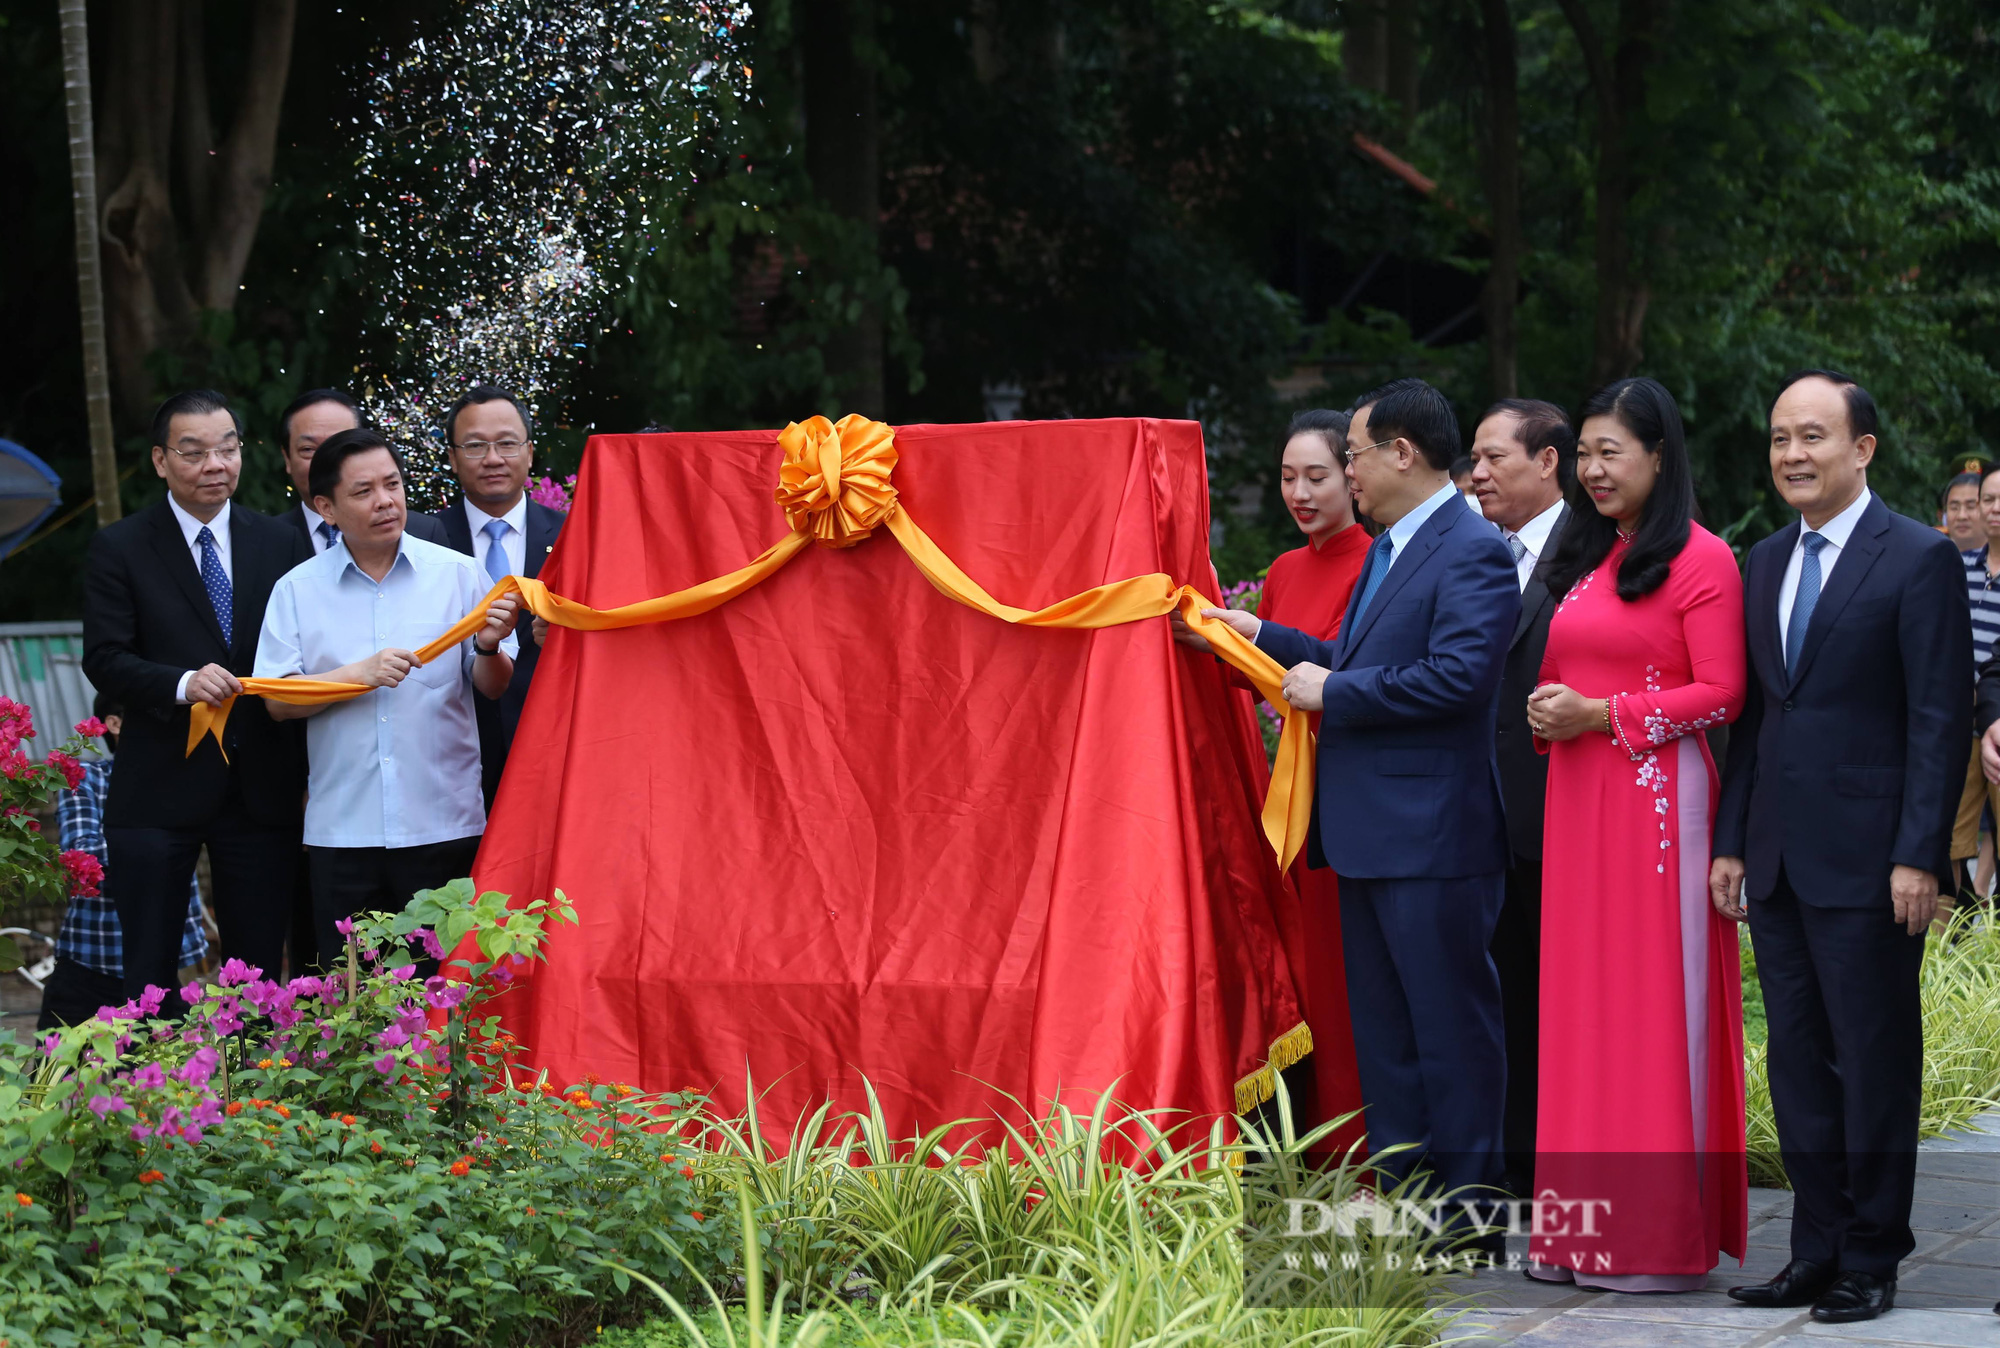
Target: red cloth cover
point(843, 825)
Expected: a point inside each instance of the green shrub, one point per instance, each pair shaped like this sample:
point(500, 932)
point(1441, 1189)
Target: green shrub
point(315, 1163)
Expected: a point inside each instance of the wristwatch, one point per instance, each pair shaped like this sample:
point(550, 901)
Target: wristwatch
point(478, 649)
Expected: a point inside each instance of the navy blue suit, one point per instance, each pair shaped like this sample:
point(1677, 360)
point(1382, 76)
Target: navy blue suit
point(1409, 816)
point(1848, 766)
point(499, 717)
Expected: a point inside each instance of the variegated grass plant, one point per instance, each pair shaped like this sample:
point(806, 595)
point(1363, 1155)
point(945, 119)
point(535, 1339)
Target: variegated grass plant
point(854, 1237)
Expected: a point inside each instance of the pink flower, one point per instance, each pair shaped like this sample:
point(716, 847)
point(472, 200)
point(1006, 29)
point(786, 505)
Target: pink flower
point(393, 1037)
point(192, 993)
point(236, 971)
point(90, 728)
point(101, 1105)
point(197, 1070)
point(443, 994)
point(149, 1077)
point(150, 1000)
point(86, 872)
point(386, 1064)
point(432, 945)
point(345, 926)
point(71, 770)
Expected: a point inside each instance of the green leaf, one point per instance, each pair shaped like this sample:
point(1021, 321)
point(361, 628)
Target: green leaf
point(363, 1256)
point(10, 954)
point(58, 1156)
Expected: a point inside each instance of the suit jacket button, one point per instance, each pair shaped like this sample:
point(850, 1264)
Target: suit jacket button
point(1788, 704)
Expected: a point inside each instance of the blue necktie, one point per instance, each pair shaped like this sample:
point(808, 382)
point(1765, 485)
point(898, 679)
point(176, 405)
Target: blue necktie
point(328, 532)
point(216, 581)
point(1804, 602)
point(1379, 558)
point(496, 556)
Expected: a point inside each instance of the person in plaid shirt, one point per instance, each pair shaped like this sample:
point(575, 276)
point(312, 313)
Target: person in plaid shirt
point(90, 958)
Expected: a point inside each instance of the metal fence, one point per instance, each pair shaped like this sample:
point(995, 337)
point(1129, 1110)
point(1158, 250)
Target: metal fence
point(41, 664)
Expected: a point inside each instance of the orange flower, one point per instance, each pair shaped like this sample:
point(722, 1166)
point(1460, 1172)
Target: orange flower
point(461, 1165)
point(623, 1089)
point(592, 1079)
point(687, 1172)
point(531, 1212)
point(283, 1112)
point(409, 1163)
point(28, 1202)
point(233, 1108)
point(697, 1216)
point(145, 1177)
point(349, 1120)
point(375, 1147)
point(264, 1063)
point(666, 1158)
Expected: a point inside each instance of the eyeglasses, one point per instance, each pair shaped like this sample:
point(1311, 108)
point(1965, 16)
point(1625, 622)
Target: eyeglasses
point(1348, 455)
point(226, 450)
point(507, 449)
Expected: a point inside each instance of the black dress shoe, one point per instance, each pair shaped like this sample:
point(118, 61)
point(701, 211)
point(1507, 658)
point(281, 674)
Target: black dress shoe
point(1799, 1283)
point(1855, 1296)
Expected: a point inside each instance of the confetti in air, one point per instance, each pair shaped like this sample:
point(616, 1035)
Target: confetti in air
point(512, 162)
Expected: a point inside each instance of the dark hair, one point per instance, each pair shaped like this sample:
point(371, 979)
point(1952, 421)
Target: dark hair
point(324, 475)
point(485, 393)
point(311, 398)
point(194, 402)
point(1327, 424)
point(1461, 467)
point(1414, 410)
point(1972, 480)
point(1541, 425)
point(1861, 417)
point(1645, 408)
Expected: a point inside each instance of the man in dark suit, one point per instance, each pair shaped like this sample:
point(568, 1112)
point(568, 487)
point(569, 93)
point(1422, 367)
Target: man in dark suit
point(1524, 459)
point(1409, 794)
point(1834, 829)
point(310, 419)
point(493, 522)
point(173, 599)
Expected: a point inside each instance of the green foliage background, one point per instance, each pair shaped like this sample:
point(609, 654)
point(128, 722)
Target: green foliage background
point(1156, 207)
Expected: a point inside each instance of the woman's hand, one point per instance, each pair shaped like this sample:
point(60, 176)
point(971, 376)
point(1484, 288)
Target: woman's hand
point(1557, 712)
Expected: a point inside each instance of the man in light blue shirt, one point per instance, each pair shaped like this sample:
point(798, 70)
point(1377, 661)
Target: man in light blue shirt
point(393, 803)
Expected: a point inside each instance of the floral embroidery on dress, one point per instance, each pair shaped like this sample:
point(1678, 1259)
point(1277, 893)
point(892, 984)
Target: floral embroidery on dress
point(1659, 729)
point(1576, 590)
point(1653, 775)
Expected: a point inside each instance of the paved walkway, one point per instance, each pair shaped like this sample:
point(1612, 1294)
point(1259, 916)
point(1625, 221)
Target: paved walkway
point(1944, 1296)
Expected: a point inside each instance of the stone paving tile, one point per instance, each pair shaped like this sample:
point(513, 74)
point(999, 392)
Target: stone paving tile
point(1944, 1298)
point(1939, 1329)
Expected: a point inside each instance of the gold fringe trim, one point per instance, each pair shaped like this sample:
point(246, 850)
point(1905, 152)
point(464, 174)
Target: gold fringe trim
point(1261, 1085)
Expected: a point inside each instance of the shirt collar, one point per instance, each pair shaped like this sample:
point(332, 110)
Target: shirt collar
point(1841, 527)
point(1535, 533)
point(1405, 529)
point(190, 526)
point(345, 560)
point(516, 518)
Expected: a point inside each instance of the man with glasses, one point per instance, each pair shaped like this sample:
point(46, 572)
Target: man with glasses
point(173, 599)
point(494, 523)
point(302, 427)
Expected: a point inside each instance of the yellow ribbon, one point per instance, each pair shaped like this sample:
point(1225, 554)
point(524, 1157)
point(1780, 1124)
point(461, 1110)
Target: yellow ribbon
point(835, 490)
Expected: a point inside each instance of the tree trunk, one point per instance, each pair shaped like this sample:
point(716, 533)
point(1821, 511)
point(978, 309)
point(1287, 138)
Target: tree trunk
point(178, 212)
point(1503, 198)
point(1364, 49)
point(1618, 84)
point(89, 281)
point(843, 160)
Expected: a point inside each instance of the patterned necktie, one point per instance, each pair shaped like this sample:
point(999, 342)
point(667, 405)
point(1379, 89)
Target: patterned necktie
point(1517, 547)
point(328, 532)
point(1804, 602)
point(216, 581)
point(1378, 567)
point(496, 556)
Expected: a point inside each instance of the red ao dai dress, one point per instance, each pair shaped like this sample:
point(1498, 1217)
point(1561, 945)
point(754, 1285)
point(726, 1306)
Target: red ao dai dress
point(1641, 1090)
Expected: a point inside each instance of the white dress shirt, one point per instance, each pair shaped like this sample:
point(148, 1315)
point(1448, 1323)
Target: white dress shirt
point(1836, 532)
point(313, 522)
point(514, 540)
point(395, 767)
point(1534, 536)
point(190, 530)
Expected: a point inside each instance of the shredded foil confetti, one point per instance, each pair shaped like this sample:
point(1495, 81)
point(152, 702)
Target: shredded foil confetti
point(513, 163)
